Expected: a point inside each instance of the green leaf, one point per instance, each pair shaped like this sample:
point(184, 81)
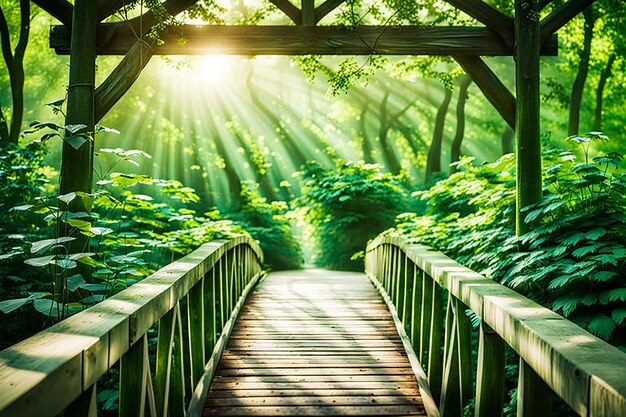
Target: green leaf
point(100, 128)
point(43, 245)
point(602, 276)
point(65, 263)
point(580, 252)
point(74, 282)
point(82, 225)
point(619, 315)
point(101, 231)
point(601, 326)
point(47, 307)
point(73, 129)
point(616, 294)
point(67, 198)
point(42, 261)
point(75, 141)
point(8, 306)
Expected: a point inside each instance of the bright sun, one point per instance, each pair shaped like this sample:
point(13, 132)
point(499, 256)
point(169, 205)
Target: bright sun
point(214, 67)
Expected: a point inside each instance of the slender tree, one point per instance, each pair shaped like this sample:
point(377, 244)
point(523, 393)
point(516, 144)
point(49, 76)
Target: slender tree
point(508, 140)
point(604, 77)
point(14, 60)
point(433, 163)
point(455, 150)
point(581, 76)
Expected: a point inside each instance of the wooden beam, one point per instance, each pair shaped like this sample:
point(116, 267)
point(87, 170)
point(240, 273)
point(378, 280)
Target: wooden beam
point(494, 90)
point(561, 16)
point(61, 10)
point(117, 39)
point(289, 9)
point(107, 7)
point(325, 8)
point(121, 78)
point(487, 15)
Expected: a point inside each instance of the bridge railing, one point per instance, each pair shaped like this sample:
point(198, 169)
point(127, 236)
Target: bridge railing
point(191, 304)
point(432, 293)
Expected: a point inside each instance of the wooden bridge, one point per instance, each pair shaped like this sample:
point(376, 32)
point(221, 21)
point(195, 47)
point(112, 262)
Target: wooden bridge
point(210, 334)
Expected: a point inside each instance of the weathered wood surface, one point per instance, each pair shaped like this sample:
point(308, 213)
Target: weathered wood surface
point(314, 343)
point(117, 39)
point(584, 371)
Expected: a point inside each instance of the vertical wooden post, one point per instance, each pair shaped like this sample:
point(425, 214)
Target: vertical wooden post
point(77, 164)
point(167, 327)
point(489, 374)
point(464, 340)
point(435, 356)
point(450, 403)
point(133, 380)
point(416, 310)
point(527, 134)
point(195, 308)
point(176, 400)
point(427, 305)
point(534, 397)
point(209, 311)
point(308, 12)
point(85, 405)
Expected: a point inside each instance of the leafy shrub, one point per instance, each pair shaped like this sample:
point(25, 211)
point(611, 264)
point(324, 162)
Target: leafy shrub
point(347, 207)
point(269, 224)
point(574, 259)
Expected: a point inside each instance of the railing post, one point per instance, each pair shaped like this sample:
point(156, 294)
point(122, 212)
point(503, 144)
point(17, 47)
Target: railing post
point(450, 403)
point(167, 327)
point(209, 311)
point(176, 399)
point(133, 380)
point(435, 360)
point(85, 405)
point(464, 337)
point(416, 310)
point(195, 322)
point(534, 397)
point(489, 374)
point(426, 310)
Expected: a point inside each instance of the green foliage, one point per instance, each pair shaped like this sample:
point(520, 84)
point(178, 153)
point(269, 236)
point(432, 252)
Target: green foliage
point(131, 234)
point(574, 259)
point(347, 207)
point(269, 224)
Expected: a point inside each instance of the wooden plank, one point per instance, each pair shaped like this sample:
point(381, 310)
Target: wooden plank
point(371, 410)
point(273, 360)
point(312, 400)
point(117, 39)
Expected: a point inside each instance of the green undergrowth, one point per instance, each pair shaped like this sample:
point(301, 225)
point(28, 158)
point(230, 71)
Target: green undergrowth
point(346, 207)
point(574, 259)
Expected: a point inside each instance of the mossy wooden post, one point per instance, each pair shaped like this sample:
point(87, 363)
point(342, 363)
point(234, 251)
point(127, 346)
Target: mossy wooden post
point(527, 135)
point(489, 374)
point(534, 397)
point(209, 310)
point(464, 338)
point(77, 164)
point(416, 310)
point(427, 305)
point(176, 400)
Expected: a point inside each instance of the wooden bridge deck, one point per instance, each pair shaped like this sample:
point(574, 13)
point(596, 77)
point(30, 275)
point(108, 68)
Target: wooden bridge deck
point(314, 343)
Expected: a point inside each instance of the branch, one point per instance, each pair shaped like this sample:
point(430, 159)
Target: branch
point(561, 16)
point(20, 48)
point(121, 78)
point(5, 41)
point(62, 10)
point(108, 7)
point(328, 6)
point(289, 9)
point(487, 15)
point(491, 86)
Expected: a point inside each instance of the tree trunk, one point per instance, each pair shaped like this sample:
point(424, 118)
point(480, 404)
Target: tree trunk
point(527, 122)
point(15, 66)
point(4, 129)
point(366, 146)
point(389, 156)
point(604, 76)
point(508, 140)
point(583, 68)
point(77, 164)
point(455, 150)
point(433, 164)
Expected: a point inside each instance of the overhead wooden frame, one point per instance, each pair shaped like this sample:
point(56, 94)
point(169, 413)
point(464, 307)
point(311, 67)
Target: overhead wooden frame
point(525, 37)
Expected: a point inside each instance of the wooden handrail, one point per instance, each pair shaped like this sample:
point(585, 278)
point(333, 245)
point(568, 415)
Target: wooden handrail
point(556, 355)
point(194, 300)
